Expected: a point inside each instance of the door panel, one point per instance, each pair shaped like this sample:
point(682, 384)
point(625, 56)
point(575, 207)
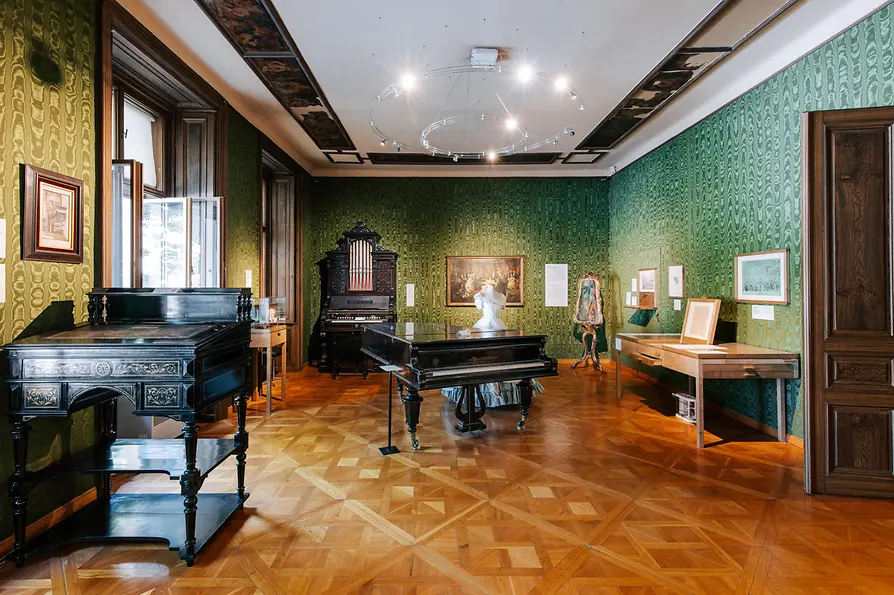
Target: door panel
point(862, 440)
point(848, 315)
point(861, 266)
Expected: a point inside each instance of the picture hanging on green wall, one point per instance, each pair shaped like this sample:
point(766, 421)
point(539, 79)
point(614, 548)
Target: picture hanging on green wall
point(466, 275)
point(762, 277)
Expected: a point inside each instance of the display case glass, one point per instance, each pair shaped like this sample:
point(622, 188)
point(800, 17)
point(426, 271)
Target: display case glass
point(268, 310)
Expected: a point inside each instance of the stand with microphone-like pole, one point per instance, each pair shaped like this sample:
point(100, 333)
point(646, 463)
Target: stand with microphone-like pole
point(390, 449)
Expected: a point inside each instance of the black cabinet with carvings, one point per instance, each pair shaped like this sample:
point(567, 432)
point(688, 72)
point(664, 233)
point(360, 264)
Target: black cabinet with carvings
point(171, 353)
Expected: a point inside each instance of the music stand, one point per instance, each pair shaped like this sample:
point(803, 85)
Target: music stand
point(390, 449)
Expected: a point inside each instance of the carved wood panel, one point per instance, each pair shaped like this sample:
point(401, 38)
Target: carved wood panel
point(845, 372)
point(860, 279)
point(861, 440)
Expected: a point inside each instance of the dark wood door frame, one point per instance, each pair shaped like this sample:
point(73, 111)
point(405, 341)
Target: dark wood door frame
point(129, 51)
point(847, 233)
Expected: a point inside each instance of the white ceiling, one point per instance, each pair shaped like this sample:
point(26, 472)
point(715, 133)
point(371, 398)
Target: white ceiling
point(355, 48)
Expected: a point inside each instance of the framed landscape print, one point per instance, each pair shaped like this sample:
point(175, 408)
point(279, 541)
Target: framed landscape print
point(762, 277)
point(466, 275)
point(52, 216)
point(675, 283)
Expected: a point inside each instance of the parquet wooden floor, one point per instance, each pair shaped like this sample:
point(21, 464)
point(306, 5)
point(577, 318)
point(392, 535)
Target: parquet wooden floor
point(594, 497)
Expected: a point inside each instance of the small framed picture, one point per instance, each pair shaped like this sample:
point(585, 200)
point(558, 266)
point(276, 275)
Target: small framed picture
point(52, 216)
point(647, 278)
point(675, 283)
point(762, 277)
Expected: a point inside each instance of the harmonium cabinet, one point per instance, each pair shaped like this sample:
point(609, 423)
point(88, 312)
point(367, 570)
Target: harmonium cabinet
point(169, 352)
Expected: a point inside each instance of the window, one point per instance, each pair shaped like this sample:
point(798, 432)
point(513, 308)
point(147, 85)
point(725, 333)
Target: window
point(143, 136)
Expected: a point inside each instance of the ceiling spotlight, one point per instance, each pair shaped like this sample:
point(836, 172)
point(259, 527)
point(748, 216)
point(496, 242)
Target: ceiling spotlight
point(569, 131)
point(396, 148)
point(491, 155)
point(407, 81)
point(455, 158)
point(556, 141)
point(383, 141)
point(525, 73)
point(561, 84)
point(511, 123)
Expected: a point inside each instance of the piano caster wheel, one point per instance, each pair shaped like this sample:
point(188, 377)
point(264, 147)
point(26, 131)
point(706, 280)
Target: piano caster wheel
point(414, 442)
point(521, 423)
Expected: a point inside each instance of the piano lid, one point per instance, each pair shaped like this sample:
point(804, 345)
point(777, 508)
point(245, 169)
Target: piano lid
point(125, 334)
point(426, 332)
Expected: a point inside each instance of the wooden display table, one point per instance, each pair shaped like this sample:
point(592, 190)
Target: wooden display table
point(727, 360)
point(267, 337)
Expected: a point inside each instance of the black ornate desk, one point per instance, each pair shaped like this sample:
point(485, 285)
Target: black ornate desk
point(172, 353)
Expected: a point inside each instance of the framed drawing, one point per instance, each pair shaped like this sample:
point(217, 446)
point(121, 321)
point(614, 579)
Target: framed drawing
point(52, 216)
point(762, 277)
point(467, 274)
point(648, 288)
point(700, 321)
point(675, 283)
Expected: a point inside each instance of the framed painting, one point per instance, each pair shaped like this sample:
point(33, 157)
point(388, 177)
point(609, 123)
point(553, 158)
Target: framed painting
point(648, 288)
point(52, 216)
point(762, 277)
point(466, 275)
point(700, 321)
point(588, 308)
point(675, 282)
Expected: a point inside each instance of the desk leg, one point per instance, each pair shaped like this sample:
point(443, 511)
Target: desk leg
point(189, 489)
point(255, 364)
point(17, 489)
point(241, 438)
point(269, 376)
point(780, 409)
point(285, 369)
point(700, 408)
point(412, 402)
point(618, 386)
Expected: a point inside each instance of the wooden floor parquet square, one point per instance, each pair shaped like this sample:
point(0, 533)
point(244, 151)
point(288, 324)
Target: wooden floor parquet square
point(595, 497)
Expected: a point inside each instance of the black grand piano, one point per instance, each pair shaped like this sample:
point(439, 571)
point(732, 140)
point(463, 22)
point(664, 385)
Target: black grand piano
point(433, 356)
point(171, 353)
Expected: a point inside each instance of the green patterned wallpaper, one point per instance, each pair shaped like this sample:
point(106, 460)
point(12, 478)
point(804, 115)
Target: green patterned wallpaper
point(52, 125)
point(547, 220)
point(732, 184)
point(243, 200)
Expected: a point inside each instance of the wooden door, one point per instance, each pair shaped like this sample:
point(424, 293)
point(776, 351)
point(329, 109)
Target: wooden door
point(849, 321)
point(281, 255)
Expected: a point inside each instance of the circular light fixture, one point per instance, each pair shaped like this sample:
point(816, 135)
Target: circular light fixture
point(474, 73)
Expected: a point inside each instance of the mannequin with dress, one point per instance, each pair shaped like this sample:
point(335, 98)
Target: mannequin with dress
point(490, 301)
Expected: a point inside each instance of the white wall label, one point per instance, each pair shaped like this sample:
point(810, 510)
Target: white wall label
point(633, 285)
point(627, 300)
point(2, 238)
point(678, 304)
point(248, 278)
point(2, 283)
point(411, 294)
point(556, 294)
point(617, 344)
point(634, 300)
point(759, 312)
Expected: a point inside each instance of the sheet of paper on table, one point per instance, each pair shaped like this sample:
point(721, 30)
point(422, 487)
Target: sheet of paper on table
point(697, 348)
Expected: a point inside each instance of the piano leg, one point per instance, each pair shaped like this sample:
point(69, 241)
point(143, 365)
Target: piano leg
point(241, 438)
point(412, 401)
point(17, 488)
point(468, 412)
point(525, 395)
point(189, 489)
